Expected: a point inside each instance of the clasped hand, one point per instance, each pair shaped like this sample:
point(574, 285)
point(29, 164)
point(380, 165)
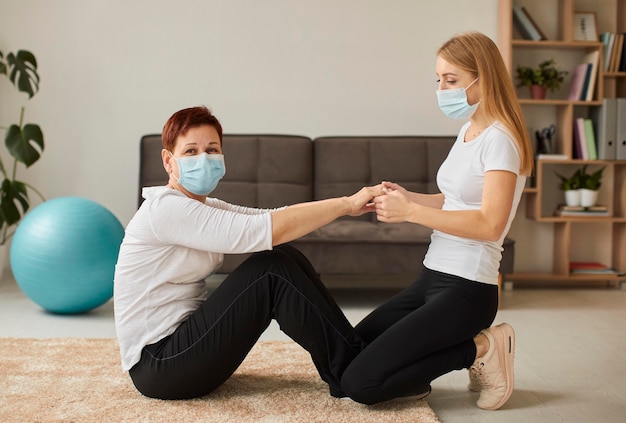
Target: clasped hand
point(387, 199)
point(393, 205)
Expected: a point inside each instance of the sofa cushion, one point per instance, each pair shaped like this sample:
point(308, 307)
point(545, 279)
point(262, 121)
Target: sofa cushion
point(345, 164)
point(266, 170)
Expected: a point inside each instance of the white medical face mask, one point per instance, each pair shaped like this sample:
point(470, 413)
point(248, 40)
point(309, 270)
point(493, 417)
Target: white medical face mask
point(200, 174)
point(453, 103)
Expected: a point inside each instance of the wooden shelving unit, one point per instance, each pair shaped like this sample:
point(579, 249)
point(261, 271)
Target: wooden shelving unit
point(542, 199)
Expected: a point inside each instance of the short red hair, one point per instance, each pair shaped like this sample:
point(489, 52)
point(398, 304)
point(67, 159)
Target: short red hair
point(183, 120)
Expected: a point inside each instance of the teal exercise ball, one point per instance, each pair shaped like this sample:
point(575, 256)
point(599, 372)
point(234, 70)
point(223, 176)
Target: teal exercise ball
point(63, 254)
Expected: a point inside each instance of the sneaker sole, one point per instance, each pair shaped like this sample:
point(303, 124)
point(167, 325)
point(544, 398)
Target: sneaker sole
point(414, 397)
point(506, 354)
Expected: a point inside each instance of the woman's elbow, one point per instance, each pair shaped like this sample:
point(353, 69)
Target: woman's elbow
point(493, 232)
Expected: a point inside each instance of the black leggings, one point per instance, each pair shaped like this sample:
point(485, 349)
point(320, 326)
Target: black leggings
point(211, 343)
point(420, 334)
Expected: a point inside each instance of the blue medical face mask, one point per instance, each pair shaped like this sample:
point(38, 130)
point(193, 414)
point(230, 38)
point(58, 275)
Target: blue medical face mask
point(453, 103)
point(200, 174)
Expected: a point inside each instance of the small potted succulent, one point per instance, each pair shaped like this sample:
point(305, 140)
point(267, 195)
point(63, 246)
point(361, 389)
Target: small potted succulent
point(546, 77)
point(581, 189)
point(589, 185)
point(571, 187)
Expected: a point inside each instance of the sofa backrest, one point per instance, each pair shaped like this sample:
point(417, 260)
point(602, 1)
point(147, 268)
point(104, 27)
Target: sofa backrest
point(261, 170)
point(345, 164)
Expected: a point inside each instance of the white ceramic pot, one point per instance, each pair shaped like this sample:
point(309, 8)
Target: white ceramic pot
point(572, 197)
point(588, 197)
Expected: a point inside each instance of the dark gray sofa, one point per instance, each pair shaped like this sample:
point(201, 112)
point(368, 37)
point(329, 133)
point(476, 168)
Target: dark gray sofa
point(277, 170)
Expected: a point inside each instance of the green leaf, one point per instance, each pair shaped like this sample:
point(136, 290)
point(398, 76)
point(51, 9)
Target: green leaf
point(21, 143)
point(23, 72)
point(13, 194)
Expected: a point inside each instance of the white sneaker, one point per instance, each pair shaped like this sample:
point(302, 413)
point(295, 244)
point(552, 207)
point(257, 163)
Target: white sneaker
point(494, 371)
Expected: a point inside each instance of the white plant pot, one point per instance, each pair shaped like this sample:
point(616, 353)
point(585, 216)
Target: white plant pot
point(572, 197)
point(588, 197)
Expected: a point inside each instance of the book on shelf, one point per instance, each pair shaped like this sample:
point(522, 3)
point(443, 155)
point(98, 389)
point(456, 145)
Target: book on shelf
point(620, 136)
point(578, 81)
point(552, 156)
point(525, 24)
point(563, 210)
point(616, 53)
point(580, 140)
point(591, 267)
point(607, 39)
point(532, 21)
point(593, 58)
point(591, 140)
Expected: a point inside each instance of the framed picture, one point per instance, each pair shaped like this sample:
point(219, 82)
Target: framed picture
point(585, 28)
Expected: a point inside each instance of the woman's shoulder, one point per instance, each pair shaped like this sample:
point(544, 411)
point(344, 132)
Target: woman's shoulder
point(159, 192)
point(149, 193)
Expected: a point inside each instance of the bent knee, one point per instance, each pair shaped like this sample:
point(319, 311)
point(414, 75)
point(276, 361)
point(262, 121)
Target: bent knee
point(356, 387)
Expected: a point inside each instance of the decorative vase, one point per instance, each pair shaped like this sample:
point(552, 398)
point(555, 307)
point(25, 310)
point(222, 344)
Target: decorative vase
point(588, 197)
point(572, 197)
point(537, 92)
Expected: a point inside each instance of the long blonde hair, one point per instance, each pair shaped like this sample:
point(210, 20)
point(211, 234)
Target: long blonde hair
point(476, 53)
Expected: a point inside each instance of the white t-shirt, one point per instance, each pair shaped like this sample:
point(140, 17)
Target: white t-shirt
point(171, 245)
point(461, 179)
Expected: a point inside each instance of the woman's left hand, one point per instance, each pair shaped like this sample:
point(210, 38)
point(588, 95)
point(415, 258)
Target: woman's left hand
point(393, 206)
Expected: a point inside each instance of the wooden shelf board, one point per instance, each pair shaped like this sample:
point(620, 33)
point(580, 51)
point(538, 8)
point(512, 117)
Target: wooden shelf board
point(559, 102)
point(581, 219)
point(553, 277)
point(516, 42)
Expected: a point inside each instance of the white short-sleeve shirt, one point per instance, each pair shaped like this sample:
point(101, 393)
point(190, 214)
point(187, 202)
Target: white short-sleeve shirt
point(171, 245)
point(461, 179)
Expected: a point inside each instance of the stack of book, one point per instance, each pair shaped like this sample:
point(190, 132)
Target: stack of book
point(585, 146)
point(563, 210)
point(614, 52)
point(591, 268)
point(584, 78)
point(526, 25)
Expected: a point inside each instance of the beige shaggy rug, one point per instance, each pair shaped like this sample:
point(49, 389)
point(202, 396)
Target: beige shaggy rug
point(80, 380)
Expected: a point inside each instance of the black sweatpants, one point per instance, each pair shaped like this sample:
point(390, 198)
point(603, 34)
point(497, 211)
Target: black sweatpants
point(423, 332)
point(211, 343)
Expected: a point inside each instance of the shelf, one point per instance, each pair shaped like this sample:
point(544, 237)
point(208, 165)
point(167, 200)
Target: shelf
point(574, 45)
point(615, 74)
point(571, 236)
point(559, 102)
point(580, 219)
point(555, 277)
point(530, 190)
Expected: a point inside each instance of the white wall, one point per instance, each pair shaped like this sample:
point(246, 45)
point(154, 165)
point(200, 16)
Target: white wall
point(113, 70)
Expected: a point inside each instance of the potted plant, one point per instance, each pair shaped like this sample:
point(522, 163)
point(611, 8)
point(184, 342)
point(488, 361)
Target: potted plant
point(24, 143)
point(589, 185)
point(571, 186)
point(541, 79)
